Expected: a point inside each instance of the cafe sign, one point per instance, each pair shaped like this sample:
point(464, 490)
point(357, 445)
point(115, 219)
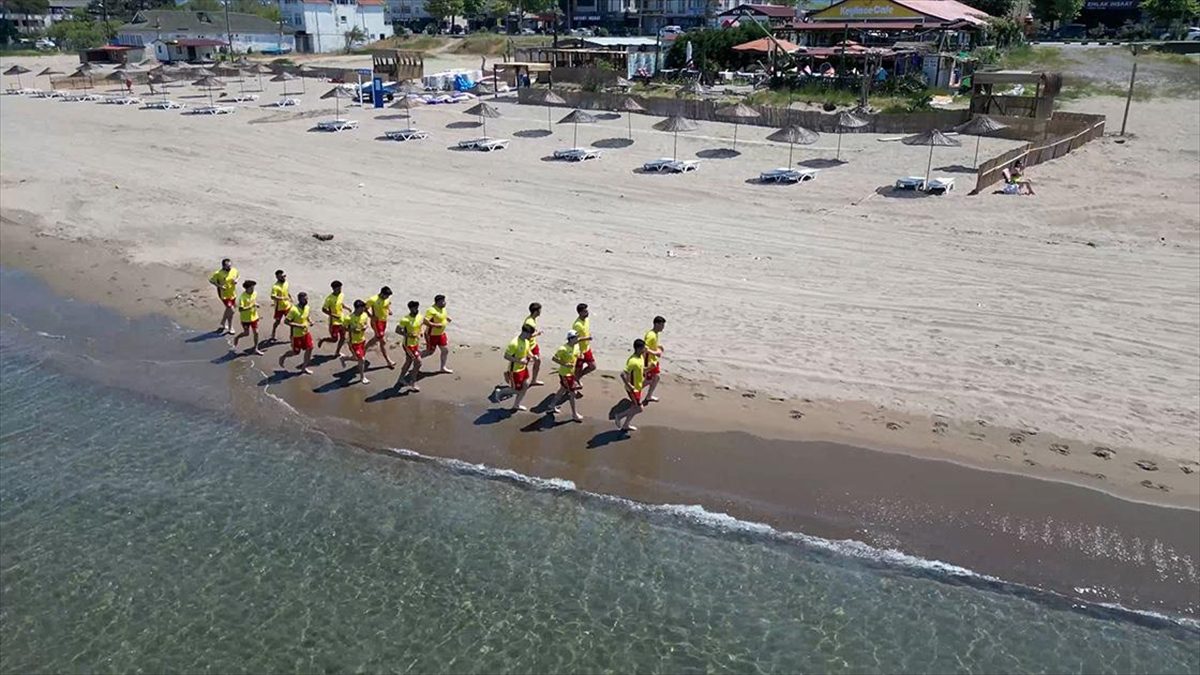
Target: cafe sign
point(860, 10)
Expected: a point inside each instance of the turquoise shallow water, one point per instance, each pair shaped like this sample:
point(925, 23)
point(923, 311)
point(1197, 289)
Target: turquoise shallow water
point(142, 535)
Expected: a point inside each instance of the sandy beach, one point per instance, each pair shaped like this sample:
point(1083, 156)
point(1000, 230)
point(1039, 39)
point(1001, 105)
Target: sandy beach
point(1012, 334)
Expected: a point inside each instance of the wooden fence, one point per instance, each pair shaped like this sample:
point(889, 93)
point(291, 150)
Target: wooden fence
point(1064, 133)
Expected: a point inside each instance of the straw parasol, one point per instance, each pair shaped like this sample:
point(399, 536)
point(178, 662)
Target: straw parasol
point(483, 111)
point(208, 83)
point(283, 77)
point(844, 121)
point(979, 127)
point(47, 72)
point(548, 99)
point(629, 106)
point(931, 138)
point(738, 112)
point(792, 135)
point(259, 70)
point(84, 71)
point(202, 72)
point(676, 124)
point(406, 102)
point(337, 93)
point(305, 72)
point(18, 71)
point(163, 78)
point(577, 117)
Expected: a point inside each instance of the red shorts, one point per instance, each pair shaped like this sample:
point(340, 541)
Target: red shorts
point(250, 324)
point(520, 378)
point(336, 331)
point(568, 382)
point(303, 343)
point(652, 372)
point(228, 302)
point(536, 351)
point(380, 328)
point(432, 341)
point(636, 397)
point(280, 314)
point(359, 350)
point(415, 350)
point(585, 357)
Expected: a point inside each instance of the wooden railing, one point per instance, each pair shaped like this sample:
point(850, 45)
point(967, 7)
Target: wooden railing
point(1064, 133)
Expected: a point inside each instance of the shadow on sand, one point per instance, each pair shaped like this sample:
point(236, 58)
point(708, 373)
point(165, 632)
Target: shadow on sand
point(612, 143)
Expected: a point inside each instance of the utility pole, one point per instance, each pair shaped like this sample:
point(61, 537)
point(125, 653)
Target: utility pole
point(1129, 96)
point(228, 30)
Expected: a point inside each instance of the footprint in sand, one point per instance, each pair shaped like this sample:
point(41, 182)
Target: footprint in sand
point(1103, 452)
point(796, 415)
point(940, 426)
point(1016, 438)
point(1060, 448)
point(1189, 467)
point(1030, 462)
point(894, 426)
point(1154, 486)
point(1002, 458)
point(976, 436)
point(749, 394)
point(699, 395)
point(778, 399)
point(1146, 465)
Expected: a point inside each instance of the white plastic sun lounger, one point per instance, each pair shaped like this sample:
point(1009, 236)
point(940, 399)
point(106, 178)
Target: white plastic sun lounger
point(213, 110)
point(682, 166)
point(242, 98)
point(163, 105)
point(492, 144)
point(285, 102)
point(123, 100)
point(82, 97)
point(659, 164)
point(406, 134)
point(337, 125)
point(576, 154)
point(939, 186)
point(910, 183)
point(786, 175)
point(473, 143)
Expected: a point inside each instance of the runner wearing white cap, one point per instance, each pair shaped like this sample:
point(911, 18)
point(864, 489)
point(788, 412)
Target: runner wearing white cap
point(566, 358)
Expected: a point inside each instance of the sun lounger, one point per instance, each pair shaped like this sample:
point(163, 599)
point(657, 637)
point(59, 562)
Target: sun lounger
point(576, 154)
point(659, 164)
point(123, 100)
point(910, 183)
point(406, 134)
point(337, 125)
point(492, 144)
point(213, 110)
point(786, 175)
point(285, 102)
point(82, 97)
point(163, 105)
point(472, 143)
point(242, 98)
point(682, 166)
point(939, 186)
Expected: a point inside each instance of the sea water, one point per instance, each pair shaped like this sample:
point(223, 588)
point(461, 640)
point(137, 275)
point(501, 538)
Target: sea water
point(138, 534)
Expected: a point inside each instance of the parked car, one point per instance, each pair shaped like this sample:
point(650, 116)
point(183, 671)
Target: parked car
point(364, 94)
point(46, 44)
point(670, 31)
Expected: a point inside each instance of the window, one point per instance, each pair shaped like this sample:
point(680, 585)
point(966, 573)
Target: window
point(342, 19)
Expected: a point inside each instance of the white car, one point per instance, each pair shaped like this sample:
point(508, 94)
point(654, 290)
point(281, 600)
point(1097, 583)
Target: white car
point(1193, 34)
point(671, 31)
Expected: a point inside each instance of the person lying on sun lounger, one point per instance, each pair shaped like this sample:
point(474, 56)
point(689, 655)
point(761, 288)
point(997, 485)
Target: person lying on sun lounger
point(1015, 181)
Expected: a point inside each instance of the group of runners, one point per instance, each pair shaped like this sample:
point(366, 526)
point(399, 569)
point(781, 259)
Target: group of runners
point(349, 326)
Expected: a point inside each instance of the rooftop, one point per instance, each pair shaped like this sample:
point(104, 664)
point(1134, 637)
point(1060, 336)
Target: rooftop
point(773, 11)
point(198, 22)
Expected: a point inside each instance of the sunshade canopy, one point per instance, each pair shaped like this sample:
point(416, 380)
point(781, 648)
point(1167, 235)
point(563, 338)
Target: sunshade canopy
point(980, 126)
point(739, 111)
point(931, 137)
point(578, 117)
point(482, 110)
point(795, 134)
point(676, 124)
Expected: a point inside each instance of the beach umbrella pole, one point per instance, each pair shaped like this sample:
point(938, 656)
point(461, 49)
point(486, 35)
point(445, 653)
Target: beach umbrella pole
point(975, 163)
point(549, 124)
point(575, 140)
point(675, 149)
point(735, 126)
point(929, 166)
point(629, 121)
point(791, 148)
point(839, 150)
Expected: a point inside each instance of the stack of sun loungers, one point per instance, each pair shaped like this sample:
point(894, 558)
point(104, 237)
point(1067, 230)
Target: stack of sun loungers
point(406, 134)
point(242, 98)
point(671, 165)
point(337, 125)
point(484, 144)
point(213, 110)
point(122, 100)
point(577, 154)
point(285, 102)
point(163, 104)
point(936, 186)
point(81, 97)
point(786, 175)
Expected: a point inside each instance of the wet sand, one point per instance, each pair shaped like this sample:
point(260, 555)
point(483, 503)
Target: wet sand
point(1074, 541)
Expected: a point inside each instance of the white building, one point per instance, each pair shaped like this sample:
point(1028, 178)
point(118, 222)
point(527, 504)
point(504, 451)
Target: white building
point(38, 23)
point(407, 11)
point(199, 31)
point(322, 25)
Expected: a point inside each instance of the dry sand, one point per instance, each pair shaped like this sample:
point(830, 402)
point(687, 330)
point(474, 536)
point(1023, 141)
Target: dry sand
point(998, 331)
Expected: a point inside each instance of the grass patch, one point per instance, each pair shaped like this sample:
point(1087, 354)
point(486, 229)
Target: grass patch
point(1034, 58)
point(489, 44)
point(25, 52)
point(1078, 88)
point(414, 43)
point(1185, 60)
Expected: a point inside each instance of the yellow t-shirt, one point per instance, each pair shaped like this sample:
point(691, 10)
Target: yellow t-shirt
point(247, 304)
point(531, 321)
point(636, 367)
point(411, 327)
point(380, 306)
point(521, 349)
point(226, 282)
point(651, 341)
point(357, 324)
point(298, 315)
point(583, 328)
point(439, 315)
point(279, 293)
point(333, 304)
point(568, 353)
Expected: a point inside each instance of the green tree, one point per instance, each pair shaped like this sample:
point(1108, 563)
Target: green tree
point(1056, 11)
point(81, 31)
point(26, 6)
point(356, 35)
point(1167, 11)
point(995, 8)
point(206, 6)
point(444, 9)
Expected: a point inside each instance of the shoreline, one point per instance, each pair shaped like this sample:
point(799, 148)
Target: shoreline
point(1070, 540)
point(136, 289)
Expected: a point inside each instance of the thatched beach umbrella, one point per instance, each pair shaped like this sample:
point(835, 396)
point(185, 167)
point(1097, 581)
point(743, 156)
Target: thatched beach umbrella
point(676, 124)
point(86, 74)
point(483, 111)
point(160, 77)
point(737, 113)
point(843, 122)
point(931, 138)
point(305, 72)
point(406, 102)
point(18, 71)
point(208, 84)
point(259, 70)
point(337, 94)
point(577, 117)
point(47, 72)
point(792, 135)
point(629, 106)
point(979, 127)
point(283, 77)
point(548, 99)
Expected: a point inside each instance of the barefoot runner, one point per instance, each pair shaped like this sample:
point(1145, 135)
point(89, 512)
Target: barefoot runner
point(410, 326)
point(654, 352)
point(225, 281)
point(247, 306)
point(565, 357)
point(517, 356)
point(302, 340)
point(282, 299)
point(380, 307)
point(583, 328)
point(335, 308)
point(436, 321)
point(634, 378)
point(535, 310)
point(356, 328)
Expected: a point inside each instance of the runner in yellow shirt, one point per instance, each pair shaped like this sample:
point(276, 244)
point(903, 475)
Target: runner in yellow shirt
point(436, 321)
point(335, 308)
point(583, 327)
point(634, 378)
point(410, 326)
point(654, 352)
point(517, 357)
point(225, 281)
point(247, 306)
point(535, 360)
point(302, 340)
point(356, 329)
point(565, 357)
point(282, 298)
point(379, 307)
